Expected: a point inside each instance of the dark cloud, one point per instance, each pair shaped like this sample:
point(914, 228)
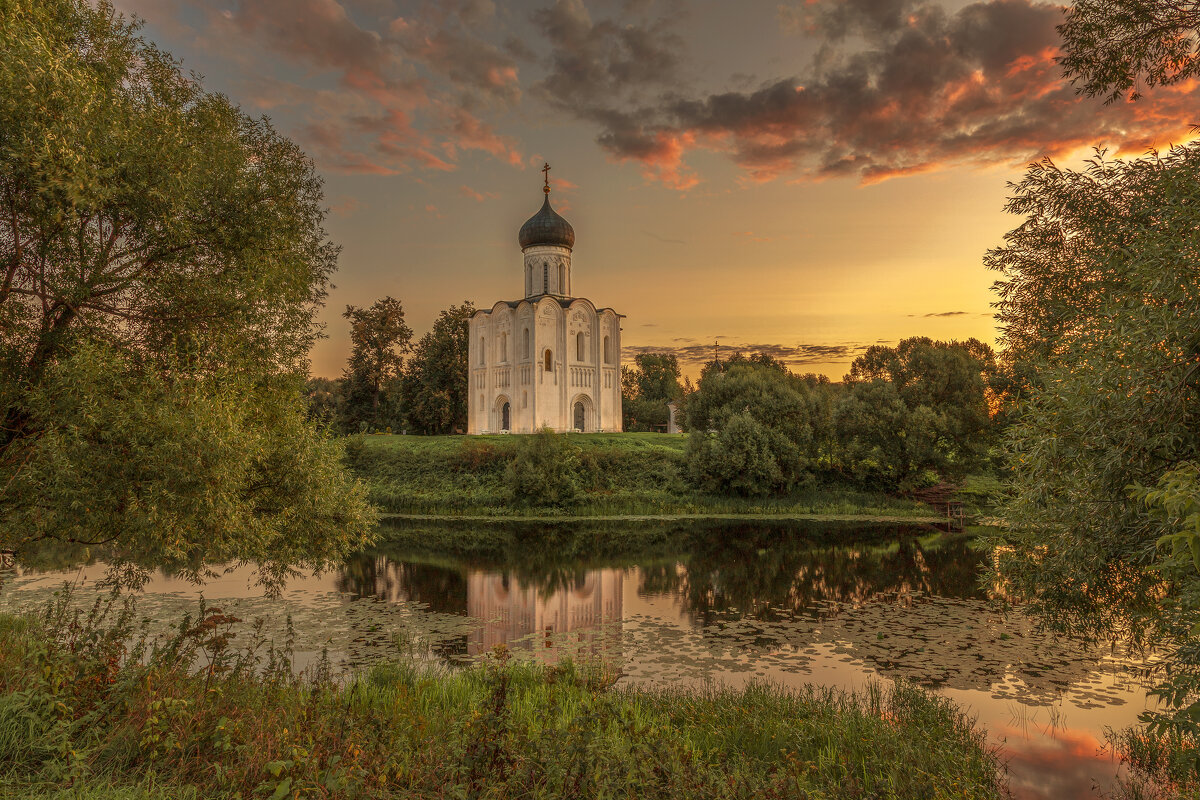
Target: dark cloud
point(610, 74)
point(899, 87)
point(943, 314)
point(690, 352)
point(443, 38)
point(595, 65)
point(409, 94)
point(518, 49)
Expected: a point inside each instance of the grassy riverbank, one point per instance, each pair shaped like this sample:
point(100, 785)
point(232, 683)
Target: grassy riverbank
point(84, 706)
point(620, 474)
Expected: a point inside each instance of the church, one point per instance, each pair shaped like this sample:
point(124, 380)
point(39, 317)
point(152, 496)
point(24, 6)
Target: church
point(549, 360)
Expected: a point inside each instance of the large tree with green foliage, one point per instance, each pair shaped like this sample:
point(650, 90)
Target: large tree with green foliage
point(1100, 288)
point(379, 339)
point(434, 386)
point(751, 429)
point(161, 260)
point(647, 386)
point(916, 412)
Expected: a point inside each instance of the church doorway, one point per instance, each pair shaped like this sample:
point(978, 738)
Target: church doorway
point(583, 417)
point(502, 414)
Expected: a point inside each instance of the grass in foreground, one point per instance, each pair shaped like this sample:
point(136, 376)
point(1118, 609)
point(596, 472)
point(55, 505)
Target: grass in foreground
point(86, 703)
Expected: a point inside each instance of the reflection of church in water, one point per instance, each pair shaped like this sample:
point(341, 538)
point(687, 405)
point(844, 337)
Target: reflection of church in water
point(580, 616)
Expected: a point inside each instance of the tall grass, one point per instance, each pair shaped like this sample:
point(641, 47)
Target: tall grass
point(88, 704)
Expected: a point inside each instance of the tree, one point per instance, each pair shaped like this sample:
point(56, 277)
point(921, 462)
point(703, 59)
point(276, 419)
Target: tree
point(325, 400)
point(379, 338)
point(749, 416)
point(435, 384)
point(161, 261)
point(646, 388)
point(1100, 288)
point(1113, 48)
point(932, 422)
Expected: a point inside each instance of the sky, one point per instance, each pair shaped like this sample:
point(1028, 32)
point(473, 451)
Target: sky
point(802, 178)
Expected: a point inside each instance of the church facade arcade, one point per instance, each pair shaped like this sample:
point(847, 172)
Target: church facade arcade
point(549, 360)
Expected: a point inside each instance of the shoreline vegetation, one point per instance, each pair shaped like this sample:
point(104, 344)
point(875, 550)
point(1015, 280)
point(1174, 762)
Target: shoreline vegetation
point(89, 708)
point(615, 476)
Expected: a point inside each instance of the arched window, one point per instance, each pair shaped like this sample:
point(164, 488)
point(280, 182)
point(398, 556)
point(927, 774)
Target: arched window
point(562, 278)
point(607, 354)
point(549, 362)
point(482, 353)
point(503, 347)
point(579, 346)
point(525, 344)
point(524, 399)
point(545, 277)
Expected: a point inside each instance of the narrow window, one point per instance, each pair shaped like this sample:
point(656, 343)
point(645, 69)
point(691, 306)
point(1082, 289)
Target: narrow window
point(549, 362)
point(562, 278)
point(503, 347)
point(525, 344)
point(607, 357)
point(482, 353)
point(579, 346)
point(545, 277)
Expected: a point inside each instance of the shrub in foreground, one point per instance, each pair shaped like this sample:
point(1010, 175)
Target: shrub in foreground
point(87, 702)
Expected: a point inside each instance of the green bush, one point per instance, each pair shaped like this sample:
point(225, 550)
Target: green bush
point(544, 470)
point(744, 458)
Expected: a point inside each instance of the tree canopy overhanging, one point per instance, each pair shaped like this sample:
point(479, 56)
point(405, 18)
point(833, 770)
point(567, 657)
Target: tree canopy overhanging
point(162, 258)
point(1100, 296)
point(1116, 48)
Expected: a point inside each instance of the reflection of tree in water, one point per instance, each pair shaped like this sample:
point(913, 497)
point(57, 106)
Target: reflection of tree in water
point(765, 573)
point(438, 588)
point(441, 588)
point(971, 644)
point(904, 606)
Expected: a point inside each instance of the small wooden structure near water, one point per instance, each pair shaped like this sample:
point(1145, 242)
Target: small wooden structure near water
point(941, 498)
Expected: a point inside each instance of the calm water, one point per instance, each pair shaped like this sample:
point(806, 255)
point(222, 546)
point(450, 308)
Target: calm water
point(836, 605)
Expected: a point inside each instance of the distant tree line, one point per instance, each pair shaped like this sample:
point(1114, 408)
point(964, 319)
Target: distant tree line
point(391, 385)
point(906, 417)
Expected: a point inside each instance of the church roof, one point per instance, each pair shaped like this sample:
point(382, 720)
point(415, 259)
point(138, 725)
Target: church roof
point(546, 227)
point(565, 302)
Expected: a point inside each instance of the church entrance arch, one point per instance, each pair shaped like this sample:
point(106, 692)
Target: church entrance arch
point(583, 416)
point(503, 414)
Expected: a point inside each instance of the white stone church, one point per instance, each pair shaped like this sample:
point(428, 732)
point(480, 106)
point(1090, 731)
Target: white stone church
point(551, 360)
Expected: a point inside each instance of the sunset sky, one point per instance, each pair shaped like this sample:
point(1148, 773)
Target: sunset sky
point(802, 178)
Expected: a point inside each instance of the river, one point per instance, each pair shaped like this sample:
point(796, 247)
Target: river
point(687, 602)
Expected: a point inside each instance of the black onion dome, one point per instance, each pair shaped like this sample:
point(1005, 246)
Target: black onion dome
point(546, 227)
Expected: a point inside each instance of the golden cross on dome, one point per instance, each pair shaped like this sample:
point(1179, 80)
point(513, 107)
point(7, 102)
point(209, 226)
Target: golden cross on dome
point(546, 171)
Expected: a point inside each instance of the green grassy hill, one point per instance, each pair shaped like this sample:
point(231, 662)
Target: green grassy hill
point(620, 474)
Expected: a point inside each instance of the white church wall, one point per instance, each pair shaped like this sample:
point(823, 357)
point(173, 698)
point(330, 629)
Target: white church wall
point(548, 337)
point(509, 342)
